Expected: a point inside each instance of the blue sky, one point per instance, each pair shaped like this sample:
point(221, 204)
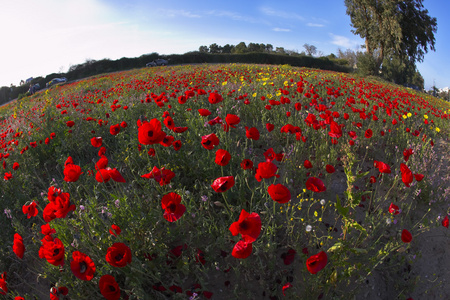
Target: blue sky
point(47, 36)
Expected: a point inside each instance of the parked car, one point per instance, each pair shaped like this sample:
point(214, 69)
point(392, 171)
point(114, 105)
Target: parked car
point(34, 88)
point(56, 81)
point(157, 62)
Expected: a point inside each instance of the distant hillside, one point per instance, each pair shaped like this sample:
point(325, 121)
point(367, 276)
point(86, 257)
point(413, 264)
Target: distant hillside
point(92, 67)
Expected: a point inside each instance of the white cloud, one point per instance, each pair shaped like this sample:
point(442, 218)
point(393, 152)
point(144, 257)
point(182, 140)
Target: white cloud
point(233, 15)
point(177, 13)
point(280, 14)
point(314, 25)
point(343, 41)
point(281, 29)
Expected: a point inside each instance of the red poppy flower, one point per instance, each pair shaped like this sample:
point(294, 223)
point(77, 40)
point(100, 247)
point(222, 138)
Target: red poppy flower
point(222, 157)
point(393, 209)
point(168, 121)
point(215, 98)
point(407, 176)
point(167, 141)
point(71, 171)
point(232, 120)
point(252, 133)
point(56, 292)
point(47, 230)
point(246, 164)
point(15, 166)
point(288, 258)
point(177, 145)
point(115, 230)
point(330, 169)
point(19, 298)
point(270, 127)
point(266, 170)
point(150, 133)
point(335, 130)
point(223, 184)
point(445, 222)
point(316, 262)
point(62, 205)
point(96, 142)
point(102, 163)
point(406, 236)
point(30, 210)
point(7, 176)
point(82, 266)
point(307, 164)
point(114, 129)
point(210, 141)
point(53, 252)
point(372, 179)
point(269, 155)
point(407, 153)
point(418, 177)
point(18, 247)
point(109, 287)
point(175, 289)
point(368, 134)
point(3, 286)
point(382, 167)
point(162, 176)
point(248, 225)
point(204, 112)
point(285, 287)
point(102, 175)
point(352, 134)
point(118, 255)
point(279, 193)
point(70, 123)
point(173, 209)
point(242, 249)
point(315, 184)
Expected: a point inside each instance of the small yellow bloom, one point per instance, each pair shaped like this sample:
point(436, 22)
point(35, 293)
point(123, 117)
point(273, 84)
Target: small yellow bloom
point(224, 83)
point(409, 115)
point(404, 116)
point(425, 116)
point(437, 129)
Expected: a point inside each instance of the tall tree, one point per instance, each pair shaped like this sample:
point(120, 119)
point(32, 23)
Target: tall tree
point(393, 28)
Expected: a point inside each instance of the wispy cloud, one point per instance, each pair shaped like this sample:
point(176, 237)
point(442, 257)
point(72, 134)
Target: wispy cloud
point(280, 14)
point(281, 29)
point(178, 13)
point(232, 15)
point(343, 41)
point(314, 25)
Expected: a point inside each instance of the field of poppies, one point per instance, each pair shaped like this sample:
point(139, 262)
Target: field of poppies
point(218, 182)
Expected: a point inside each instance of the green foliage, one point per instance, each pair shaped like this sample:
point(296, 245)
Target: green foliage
point(366, 64)
point(393, 28)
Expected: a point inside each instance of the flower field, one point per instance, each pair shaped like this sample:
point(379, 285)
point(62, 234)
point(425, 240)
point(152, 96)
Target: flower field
point(218, 182)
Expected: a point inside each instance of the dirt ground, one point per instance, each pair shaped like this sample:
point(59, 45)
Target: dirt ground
point(429, 254)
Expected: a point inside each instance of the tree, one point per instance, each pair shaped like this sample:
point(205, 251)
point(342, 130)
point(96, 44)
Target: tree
point(203, 49)
point(240, 48)
point(393, 28)
point(214, 48)
point(310, 49)
point(227, 48)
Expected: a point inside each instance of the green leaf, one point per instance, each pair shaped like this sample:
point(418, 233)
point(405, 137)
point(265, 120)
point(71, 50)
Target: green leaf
point(335, 247)
point(343, 211)
point(362, 174)
point(359, 227)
